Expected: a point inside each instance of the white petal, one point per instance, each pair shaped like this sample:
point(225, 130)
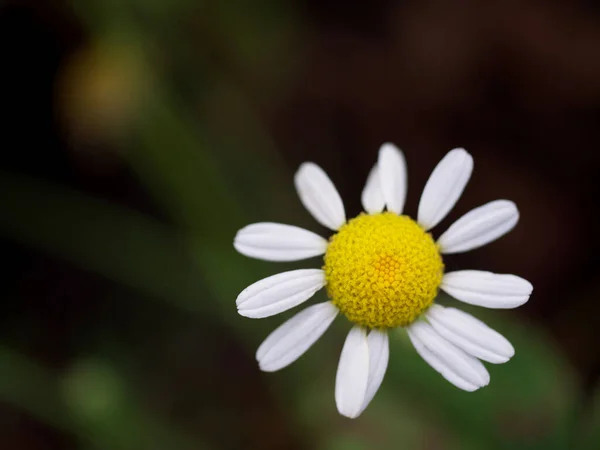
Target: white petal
point(444, 187)
point(372, 197)
point(452, 363)
point(440, 366)
point(288, 342)
point(492, 290)
point(279, 293)
point(379, 353)
point(319, 196)
point(480, 226)
point(470, 334)
point(278, 242)
point(352, 374)
point(392, 177)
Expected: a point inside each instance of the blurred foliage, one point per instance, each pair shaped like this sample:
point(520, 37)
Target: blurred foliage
point(151, 94)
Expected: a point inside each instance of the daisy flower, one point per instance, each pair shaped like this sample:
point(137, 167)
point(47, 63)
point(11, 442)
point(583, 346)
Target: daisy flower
point(383, 270)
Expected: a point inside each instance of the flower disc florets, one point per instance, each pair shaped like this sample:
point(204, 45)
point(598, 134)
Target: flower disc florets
point(382, 270)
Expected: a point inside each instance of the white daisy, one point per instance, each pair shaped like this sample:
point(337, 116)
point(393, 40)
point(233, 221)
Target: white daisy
point(383, 270)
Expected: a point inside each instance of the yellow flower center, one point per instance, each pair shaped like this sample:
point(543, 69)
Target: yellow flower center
point(382, 270)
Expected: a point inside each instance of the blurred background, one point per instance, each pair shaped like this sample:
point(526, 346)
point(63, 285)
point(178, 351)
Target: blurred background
point(140, 135)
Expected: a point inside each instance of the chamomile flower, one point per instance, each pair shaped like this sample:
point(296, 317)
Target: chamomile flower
point(383, 270)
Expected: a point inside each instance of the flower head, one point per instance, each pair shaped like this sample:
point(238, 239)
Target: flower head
point(383, 270)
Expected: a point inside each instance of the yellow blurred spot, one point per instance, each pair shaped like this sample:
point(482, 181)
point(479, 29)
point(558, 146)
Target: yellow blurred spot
point(100, 89)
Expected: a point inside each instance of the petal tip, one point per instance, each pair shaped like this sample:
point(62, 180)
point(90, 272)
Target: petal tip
point(388, 145)
point(350, 415)
point(471, 388)
point(238, 246)
point(503, 359)
point(240, 299)
point(529, 287)
point(245, 313)
point(458, 152)
point(510, 353)
point(265, 367)
point(512, 206)
point(387, 148)
point(301, 171)
point(305, 165)
point(486, 379)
